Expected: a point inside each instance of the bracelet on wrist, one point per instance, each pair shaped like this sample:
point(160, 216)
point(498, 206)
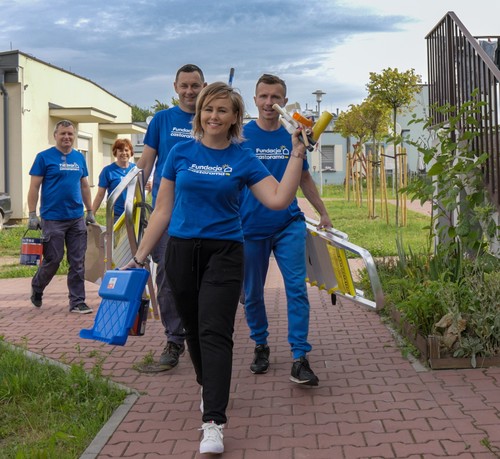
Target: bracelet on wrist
point(140, 263)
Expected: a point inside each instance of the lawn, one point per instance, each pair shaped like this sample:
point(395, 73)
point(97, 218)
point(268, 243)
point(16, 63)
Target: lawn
point(48, 412)
point(45, 411)
point(375, 235)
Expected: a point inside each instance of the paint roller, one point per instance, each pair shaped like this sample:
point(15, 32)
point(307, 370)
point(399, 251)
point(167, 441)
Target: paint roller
point(321, 124)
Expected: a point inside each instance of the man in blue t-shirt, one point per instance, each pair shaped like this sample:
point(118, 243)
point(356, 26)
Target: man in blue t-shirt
point(61, 173)
point(281, 232)
point(167, 128)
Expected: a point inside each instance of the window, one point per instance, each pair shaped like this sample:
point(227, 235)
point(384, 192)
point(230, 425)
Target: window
point(83, 145)
point(328, 158)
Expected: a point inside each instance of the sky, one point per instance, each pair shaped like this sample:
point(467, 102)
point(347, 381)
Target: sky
point(133, 48)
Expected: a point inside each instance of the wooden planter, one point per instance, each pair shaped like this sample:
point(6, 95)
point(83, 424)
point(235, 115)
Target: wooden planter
point(430, 352)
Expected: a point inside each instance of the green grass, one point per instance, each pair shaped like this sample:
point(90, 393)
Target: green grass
point(47, 412)
point(10, 240)
point(338, 192)
point(375, 235)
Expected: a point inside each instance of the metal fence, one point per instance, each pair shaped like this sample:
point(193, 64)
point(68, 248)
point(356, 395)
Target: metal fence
point(458, 65)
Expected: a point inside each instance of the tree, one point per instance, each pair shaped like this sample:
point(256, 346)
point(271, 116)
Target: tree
point(396, 90)
point(377, 118)
point(140, 114)
point(352, 124)
point(160, 106)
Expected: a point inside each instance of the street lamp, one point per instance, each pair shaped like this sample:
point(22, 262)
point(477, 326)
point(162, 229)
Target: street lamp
point(319, 95)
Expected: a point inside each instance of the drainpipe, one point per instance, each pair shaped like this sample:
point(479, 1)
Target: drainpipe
point(3, 89)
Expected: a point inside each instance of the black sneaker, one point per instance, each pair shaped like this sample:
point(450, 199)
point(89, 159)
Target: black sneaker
point(260, 362)
point(169, 358)
point(302, 373)
point(36, 298)
point(81, 308)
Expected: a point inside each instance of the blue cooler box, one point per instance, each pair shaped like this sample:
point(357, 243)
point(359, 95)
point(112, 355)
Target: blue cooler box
point(121, 293)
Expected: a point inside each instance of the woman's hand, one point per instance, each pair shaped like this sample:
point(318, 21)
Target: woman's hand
point(298, 145)
point(135, 263)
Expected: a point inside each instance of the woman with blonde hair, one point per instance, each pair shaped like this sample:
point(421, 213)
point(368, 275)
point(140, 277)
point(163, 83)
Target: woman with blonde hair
point(199, 202)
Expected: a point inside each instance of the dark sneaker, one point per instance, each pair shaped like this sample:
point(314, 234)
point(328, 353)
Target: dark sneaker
point(169, 358)
point(36, 298)
point(81, 308)
point(302, 373)
point(260, 362)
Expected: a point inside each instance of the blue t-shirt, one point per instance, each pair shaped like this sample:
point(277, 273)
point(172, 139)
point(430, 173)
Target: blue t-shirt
point(167, 128)
point(273, 148)
point(109, 178)
point(208, 185)
point(61, 195)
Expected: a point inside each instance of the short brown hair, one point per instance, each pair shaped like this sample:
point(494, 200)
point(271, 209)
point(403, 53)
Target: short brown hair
point(190, 68)
point(220, 90)
point(267, 78)
point(120, 144)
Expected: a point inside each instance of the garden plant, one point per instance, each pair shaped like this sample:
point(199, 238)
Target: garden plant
point(452, 289)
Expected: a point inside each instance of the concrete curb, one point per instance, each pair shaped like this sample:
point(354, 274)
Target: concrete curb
point(109, 428)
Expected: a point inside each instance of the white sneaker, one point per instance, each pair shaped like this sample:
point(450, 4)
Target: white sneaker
point(211, 442)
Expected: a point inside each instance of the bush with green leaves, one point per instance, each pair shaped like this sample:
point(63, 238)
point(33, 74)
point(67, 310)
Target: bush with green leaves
point(423, 297)
point(457, 278)
point(463, 215)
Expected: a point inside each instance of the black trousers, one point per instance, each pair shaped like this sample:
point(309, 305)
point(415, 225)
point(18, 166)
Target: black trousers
point(205, 276)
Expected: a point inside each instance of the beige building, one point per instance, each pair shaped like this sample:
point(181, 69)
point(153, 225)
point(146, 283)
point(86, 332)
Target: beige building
point(34, 96)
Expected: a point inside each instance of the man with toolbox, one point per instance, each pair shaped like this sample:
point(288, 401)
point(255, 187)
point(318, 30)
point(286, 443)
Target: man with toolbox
point(59, 175)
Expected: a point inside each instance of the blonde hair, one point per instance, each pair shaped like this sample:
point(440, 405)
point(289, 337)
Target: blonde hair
point(220, 90)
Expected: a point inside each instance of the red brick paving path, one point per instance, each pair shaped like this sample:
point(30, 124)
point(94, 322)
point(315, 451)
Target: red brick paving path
point(371, 402)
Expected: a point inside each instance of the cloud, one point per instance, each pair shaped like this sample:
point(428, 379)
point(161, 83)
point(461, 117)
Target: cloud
point(133, 48)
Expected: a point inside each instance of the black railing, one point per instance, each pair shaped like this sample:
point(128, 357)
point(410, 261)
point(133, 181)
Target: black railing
point(457, 66)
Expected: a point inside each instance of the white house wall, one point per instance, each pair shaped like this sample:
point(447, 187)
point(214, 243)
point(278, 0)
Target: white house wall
point(31, 126)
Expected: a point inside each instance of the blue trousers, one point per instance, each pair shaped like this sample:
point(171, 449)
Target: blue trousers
point(289, 248)
point(57, 234)
point(168, 313)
